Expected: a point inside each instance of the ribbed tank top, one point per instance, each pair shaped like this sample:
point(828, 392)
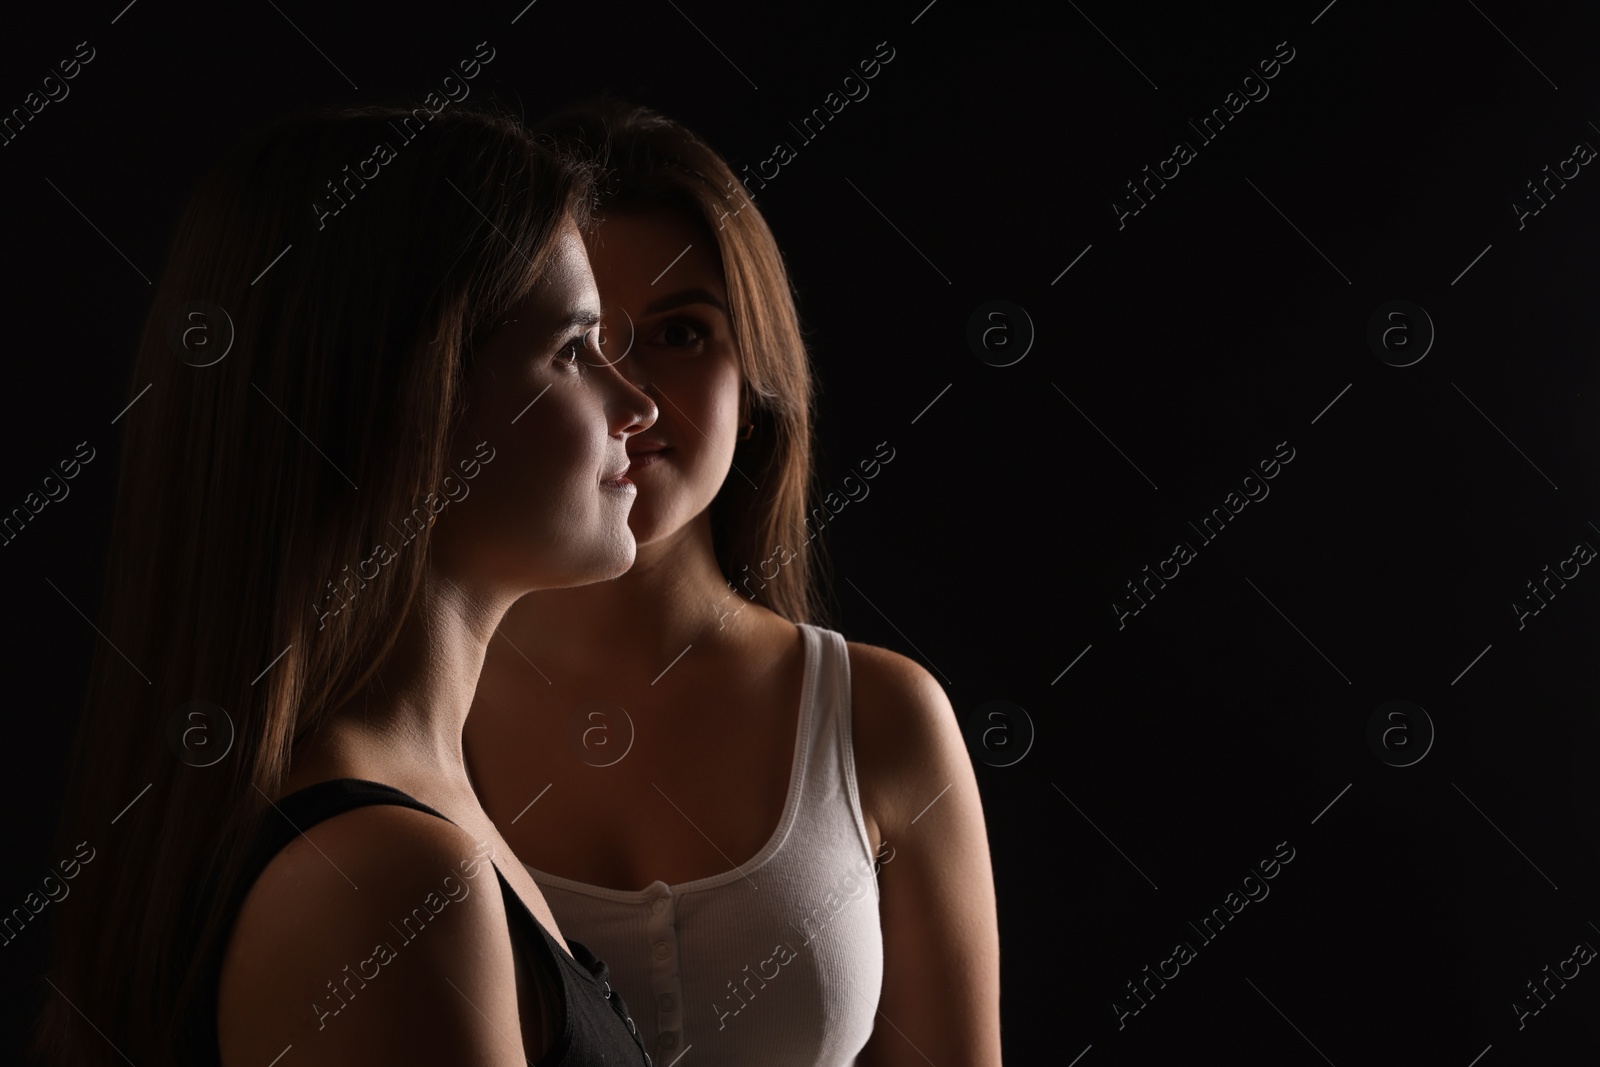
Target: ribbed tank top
point(779, 961)
point(596, 1027)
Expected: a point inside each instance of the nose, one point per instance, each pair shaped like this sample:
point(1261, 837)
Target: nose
point(630, 410)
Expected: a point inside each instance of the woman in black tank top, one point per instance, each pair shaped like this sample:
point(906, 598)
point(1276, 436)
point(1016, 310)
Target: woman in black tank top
point(372, 412)
point(589, 1033)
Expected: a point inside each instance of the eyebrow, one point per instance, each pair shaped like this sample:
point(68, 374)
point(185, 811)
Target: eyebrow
point(588, 316)
point(684, 298)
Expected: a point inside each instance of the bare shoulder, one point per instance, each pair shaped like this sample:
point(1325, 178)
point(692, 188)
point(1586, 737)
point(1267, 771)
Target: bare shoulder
point(894, 691)
point(348, 945)
point(905, 735)
point(888, 666)
point(919, 793)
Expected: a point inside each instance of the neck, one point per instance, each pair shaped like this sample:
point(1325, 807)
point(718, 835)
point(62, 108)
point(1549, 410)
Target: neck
point(408, 719)
point(627, 630)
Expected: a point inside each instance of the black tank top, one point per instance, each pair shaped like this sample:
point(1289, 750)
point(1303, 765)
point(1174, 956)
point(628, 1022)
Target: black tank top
point(596, 1028)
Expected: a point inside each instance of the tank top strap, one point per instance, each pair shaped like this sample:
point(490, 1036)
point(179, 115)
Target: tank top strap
point(829, 769)
point(317, 803)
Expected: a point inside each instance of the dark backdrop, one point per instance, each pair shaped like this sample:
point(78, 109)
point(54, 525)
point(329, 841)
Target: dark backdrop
point(1155, 358)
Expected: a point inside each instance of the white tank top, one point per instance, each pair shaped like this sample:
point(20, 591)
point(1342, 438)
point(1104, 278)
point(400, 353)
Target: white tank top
point(779, 961)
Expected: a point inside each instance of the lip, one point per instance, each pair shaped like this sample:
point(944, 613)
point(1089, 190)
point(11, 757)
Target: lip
point(620, 479)
point(646, 458)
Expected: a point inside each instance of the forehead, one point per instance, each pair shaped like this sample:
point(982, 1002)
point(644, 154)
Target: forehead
point(567, 272)
point(565, 292)
point(652, 250)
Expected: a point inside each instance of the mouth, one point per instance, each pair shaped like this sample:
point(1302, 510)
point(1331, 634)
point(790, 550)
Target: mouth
point(620, 479)
point(647, 458)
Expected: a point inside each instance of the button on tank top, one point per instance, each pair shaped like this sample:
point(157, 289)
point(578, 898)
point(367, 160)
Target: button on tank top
point(779, 961)
point(596, 1029)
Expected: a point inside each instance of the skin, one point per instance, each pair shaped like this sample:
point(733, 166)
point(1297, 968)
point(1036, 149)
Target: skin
point(538, 516)
point(701, 788)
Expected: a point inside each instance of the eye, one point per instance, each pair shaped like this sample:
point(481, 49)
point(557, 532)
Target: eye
point(682, 333)
point(572, 353)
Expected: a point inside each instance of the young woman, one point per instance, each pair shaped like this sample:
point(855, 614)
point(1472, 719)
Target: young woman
point(772, 835)
point(363, 425)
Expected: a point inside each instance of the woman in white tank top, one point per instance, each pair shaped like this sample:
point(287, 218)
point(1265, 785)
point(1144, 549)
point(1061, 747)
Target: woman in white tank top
point(773, 836)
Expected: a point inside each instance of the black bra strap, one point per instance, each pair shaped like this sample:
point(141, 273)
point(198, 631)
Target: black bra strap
point(302, 810)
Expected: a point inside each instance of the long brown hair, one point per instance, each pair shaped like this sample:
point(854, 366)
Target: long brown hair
point(647, 160)
point(356, 285)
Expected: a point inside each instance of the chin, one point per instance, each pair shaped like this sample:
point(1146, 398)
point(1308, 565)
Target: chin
point(652, 524)
point(646, 526)
point(602, 562)
point(618, 559)
point(625, 563)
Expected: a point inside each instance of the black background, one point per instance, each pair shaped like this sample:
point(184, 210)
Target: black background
point(1222, 319)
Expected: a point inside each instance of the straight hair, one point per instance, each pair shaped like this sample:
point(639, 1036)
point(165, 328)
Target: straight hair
point(648, 161)
point(246, 484)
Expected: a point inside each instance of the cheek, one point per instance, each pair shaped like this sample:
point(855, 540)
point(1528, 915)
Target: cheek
point(541, 457)
point(720, 393)
point(568, 445)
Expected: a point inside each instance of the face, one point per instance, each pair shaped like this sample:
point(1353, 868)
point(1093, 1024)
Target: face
point(546, 434)
point(672, 305)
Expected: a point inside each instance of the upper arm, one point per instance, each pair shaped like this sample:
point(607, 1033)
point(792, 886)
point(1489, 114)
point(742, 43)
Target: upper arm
point(378, 936)
point(941, 968)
